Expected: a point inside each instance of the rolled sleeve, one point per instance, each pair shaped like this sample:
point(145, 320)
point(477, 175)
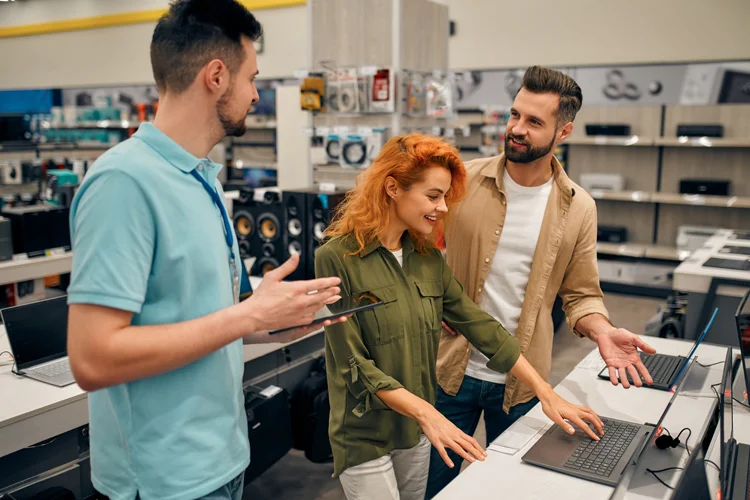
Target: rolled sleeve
point(351, 359)
point(113, 237)
point(580, 291)
point(481, 329)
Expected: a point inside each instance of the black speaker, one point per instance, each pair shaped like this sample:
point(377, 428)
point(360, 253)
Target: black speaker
point(296, 230)
point(6, 239)
point(615, 129)
point(320, 208)
point(269, 428)
point(612, 234)
point(716, 187)
point(700, 130)
point(37, 228)
point(259, 230)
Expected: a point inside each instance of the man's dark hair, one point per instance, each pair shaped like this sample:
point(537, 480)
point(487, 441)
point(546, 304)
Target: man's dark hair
point(194, 32)
point(542, 80)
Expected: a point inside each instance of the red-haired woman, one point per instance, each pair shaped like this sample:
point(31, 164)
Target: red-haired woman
point(381, 363)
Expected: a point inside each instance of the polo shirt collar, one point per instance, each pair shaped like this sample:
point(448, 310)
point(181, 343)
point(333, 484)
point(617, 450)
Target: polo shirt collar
point(175, 154)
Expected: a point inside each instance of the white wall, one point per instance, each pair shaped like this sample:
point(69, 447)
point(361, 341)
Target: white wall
point(120, 55)
point(491, 34)
point(513, 33)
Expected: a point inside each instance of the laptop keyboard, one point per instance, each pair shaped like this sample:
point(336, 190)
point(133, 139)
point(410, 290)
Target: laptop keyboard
point(601, 457)
point(53, 369)
point(660, 366)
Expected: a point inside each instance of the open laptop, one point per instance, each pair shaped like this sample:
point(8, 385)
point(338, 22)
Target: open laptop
point(604, 461)
point(37, 333)
point(742, 317)
point(665, 368)
point(734, 471)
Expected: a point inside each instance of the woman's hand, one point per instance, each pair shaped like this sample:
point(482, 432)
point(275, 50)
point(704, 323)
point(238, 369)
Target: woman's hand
point(443, 434)
point(560, 411)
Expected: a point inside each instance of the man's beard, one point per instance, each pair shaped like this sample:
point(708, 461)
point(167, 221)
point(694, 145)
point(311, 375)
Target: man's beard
point(231, 128)
point(528, 155)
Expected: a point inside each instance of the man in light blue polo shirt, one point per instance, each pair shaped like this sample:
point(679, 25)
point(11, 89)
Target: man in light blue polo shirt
point(156, 327)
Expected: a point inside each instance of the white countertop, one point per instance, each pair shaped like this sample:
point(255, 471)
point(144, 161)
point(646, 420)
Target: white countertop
point(25, 400)
point(582, 386)
point(692, 276)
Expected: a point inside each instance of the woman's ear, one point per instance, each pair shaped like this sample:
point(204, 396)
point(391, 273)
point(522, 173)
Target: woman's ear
point(391, 187)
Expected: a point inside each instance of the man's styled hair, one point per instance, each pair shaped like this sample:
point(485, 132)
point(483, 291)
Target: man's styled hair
point(194, 32)
point(542, 80)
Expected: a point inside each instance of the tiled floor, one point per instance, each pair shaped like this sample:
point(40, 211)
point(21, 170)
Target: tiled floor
point(294, 477)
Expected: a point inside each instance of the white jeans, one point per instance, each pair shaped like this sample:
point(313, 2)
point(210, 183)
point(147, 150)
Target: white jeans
point(399, 475)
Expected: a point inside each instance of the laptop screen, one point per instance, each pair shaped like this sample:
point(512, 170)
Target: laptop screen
point(37, 332)
point(743, 333)
point(726, 422)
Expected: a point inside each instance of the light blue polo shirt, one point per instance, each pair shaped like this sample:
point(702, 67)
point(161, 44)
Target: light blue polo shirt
point(147, 238)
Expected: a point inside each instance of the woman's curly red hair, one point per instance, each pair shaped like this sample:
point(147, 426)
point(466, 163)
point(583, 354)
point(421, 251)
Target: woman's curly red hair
point(365, 212)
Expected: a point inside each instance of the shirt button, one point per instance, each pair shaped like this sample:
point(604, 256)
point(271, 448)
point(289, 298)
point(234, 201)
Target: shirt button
point(487, 261)
point(479, 290)
point(497, 231)
point(200, 168)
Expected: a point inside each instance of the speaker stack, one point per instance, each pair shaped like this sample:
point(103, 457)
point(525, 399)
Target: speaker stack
point(259, 230)
point(272, 228)
point(307, 213)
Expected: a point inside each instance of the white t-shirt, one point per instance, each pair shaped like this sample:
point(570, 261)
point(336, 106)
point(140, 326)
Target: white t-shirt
point(399, 254)
point(505, 287)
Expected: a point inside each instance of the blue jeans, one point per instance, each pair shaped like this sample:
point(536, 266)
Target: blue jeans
point(464, 410)
point(231, 491)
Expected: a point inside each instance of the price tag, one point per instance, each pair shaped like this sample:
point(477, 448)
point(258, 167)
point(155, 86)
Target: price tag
point(55, 252)
point(364, 131)
point(368, 70)
point(450, 133)
point(340, 130)
point(20, 257)
point(308, 131)
point(327, 187)
point(301, 73)
point(600, 140)
point(436, 130)
point(270, 391)
point(466, 131)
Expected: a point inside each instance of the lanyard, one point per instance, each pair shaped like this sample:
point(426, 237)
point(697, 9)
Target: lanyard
point(217, 201)
point(227, 233)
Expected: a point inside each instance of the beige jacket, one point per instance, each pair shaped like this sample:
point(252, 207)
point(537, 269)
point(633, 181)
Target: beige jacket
point(564, 262)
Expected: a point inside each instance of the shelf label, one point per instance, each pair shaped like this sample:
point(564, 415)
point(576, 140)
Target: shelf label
point(54, 252)
point(600, 140)
point(20, 257)
point(327, 187)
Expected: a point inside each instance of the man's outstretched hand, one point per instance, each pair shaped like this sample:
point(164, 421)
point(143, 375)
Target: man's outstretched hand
point(619, 349)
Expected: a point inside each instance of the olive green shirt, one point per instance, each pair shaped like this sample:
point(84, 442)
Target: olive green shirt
point(394, 345)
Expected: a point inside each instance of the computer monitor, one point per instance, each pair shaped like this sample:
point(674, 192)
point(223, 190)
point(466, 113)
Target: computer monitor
point(742, 318)
point(37, 332)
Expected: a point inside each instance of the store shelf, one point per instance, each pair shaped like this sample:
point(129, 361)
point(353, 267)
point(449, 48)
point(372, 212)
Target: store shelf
point(9, 189)
point(241, 164)
point(602, 140)
point(640, 250)
point(13, 271)
point(101, 124)
point(621, 249)
point(666, 253)
point(672, 198)
point(634, 196)
point(703, 142)
point(700, 200)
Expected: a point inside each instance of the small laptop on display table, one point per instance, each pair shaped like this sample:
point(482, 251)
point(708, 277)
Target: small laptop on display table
point(37, 333)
